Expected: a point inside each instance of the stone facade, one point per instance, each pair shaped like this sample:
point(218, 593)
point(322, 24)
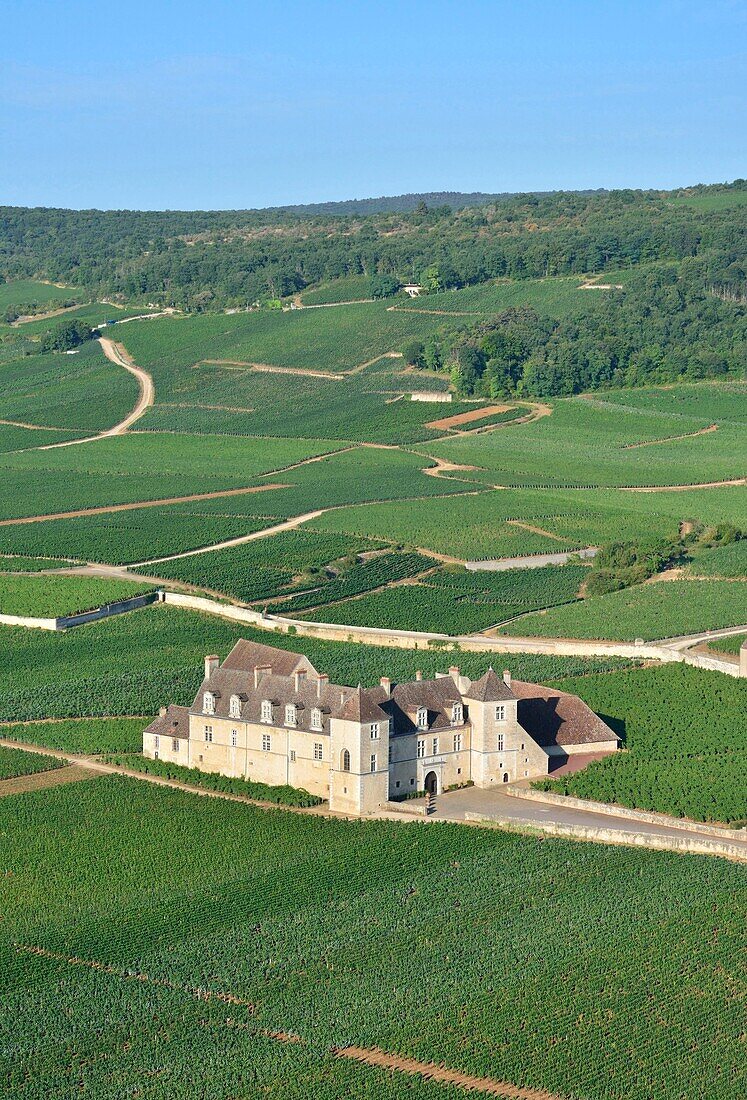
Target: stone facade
point(266, 714)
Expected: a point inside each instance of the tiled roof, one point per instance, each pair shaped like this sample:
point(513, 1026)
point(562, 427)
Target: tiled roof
point(174, 723)
point(312, 693)
point(402, 704)
point(246, 656)
point(489, 689)
point(554, 717)
point(360, 707)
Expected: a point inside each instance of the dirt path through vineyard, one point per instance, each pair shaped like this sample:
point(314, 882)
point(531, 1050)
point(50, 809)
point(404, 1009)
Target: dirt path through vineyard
point(431, 1072)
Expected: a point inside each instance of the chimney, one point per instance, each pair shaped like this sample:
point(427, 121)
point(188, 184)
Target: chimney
point(258, 670)
point(454, 673)
point(386, 683)
point(162, 712)
point(507, 678)
point(299, 677)
point(321, 683)
point(418, 675)
point(211, 663)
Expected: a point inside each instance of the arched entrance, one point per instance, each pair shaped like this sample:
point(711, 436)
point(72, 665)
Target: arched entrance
point(505, 777)
point(431, 783)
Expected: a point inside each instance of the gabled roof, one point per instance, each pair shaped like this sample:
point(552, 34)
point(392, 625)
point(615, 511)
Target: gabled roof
point(246, 656)
point(553, 717)
point(174, 723)
point(489, 689)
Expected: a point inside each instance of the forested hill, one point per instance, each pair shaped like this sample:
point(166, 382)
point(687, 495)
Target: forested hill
point(204, 260)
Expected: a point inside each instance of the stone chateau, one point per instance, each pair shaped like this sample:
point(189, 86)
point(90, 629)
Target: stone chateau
point(266, 714)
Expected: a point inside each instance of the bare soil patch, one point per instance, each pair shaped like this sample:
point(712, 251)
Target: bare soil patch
point(468, 417)
point(141, 504)
point(21, 784)
point(431, 1072)
point(671, 438)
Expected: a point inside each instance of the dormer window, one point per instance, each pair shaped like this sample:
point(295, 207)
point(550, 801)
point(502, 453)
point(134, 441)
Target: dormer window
point(208, 702)
point(317, 722)
point(422, 718)
point(457, 714)
point(290, 714)
point(266, 711)
point(234, 707)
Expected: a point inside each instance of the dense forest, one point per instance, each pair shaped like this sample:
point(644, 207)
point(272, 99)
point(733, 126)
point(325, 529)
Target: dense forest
point(683, 315)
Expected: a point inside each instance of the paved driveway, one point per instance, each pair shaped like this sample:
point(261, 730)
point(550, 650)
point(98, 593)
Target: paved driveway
point(453, 806)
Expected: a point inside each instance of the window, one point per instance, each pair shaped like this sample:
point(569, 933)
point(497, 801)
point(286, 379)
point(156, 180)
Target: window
point(234, 707)
point(500, 713)
point(499, 742)
point(208, 702)
point(373, 761)
point(266, 711)
point(457, 714)
point(317, 721)
point(234, 738)
point(435, 746)
point(175, 745)
point(421, 748)
point(412, 782)
point(318, 750)
point(374, 731)
point(293, 756)
point(457, 742)
point(156, 741)
point(422, 718)
point(522, 746)
point(208, 733)
point(397, 783)
point(345, 760)
point(266, 743)
point(290, 714)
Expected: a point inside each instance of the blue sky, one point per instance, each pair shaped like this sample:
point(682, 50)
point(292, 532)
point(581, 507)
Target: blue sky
point(222, 105)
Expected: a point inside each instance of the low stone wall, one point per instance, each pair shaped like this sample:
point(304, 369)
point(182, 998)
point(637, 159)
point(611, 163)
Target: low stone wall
point(23, 620)
point(650, 818)
point(713, 664)
point(116, 607)
point(615, 836)
point(413, 639)
point(64, 622)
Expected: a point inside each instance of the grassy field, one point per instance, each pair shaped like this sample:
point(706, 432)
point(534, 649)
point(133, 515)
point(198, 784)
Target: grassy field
point(586, 444)
point(649, 611)
point(135, 663)
point(712, 200)
point(720, 402)
point(722, 561)
point(16, 762)
point(373, 406)
point(307, 339)
point(82, 392)
point(19, 564)
point(348, 289)
point(684, 732)
point(21, 291)
point(285, 562)
point(554, 297)
point(88, 735)
point(451, 602)
point(134, 467)
point(211, 781)
point(48, 596)
point(483, 525)
point(96, 873)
